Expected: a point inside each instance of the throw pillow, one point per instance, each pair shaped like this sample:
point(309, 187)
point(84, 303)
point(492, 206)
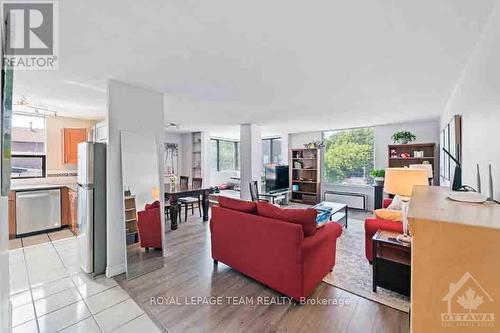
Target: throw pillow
point(388, 214)
point(305, 217)
point(239, 205)
point(396, 203)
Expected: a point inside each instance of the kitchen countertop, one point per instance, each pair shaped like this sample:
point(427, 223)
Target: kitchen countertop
point(33, 187)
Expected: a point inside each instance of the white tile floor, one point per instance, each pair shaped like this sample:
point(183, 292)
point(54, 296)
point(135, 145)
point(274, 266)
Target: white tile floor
point(49, 293)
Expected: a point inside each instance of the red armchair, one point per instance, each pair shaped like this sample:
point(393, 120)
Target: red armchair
point(271, 251)
point(373, 224)
point(149, 226)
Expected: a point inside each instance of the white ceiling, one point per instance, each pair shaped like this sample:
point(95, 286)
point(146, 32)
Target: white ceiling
point(288, 65)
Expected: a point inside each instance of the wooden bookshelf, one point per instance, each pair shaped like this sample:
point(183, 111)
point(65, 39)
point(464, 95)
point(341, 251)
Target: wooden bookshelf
point(131, 220)
point(305, 174)
point(430, 155)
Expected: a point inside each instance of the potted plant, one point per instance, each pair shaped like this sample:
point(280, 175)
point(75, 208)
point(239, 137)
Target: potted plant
point(378, 176)
point(403, 137)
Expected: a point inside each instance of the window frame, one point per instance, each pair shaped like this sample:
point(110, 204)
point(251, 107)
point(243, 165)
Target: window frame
point(44, 165)
point(271, 152)
point(323, 153)
point(236, 163)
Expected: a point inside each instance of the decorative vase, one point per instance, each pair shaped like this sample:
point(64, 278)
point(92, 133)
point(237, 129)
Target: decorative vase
point(404, 141)
point(379, 181)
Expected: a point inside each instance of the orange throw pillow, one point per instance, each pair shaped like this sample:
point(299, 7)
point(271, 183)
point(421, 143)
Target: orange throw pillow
point(389, 214)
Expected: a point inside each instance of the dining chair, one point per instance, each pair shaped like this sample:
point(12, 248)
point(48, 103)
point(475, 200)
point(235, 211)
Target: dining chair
point(189, 202)
point(183, 181)
point(256, 196)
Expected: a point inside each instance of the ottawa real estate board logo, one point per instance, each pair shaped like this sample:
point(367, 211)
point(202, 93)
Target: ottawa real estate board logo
point(468, 304)
point(30, 35)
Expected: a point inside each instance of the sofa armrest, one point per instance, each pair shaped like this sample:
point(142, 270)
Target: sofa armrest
point(318, 255)
point(387, 202)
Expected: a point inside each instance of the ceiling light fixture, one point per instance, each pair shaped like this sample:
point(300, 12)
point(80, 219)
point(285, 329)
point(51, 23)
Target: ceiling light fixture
point(33, 109)
point(172, 126)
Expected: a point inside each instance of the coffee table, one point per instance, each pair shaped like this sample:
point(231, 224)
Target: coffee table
point(391, 262)
point(339, 212)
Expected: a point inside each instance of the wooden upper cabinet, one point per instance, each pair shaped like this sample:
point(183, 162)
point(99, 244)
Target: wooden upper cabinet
point(71, 138)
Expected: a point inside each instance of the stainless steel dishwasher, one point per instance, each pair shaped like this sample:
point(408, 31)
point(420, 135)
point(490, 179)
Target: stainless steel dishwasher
point(38, 210)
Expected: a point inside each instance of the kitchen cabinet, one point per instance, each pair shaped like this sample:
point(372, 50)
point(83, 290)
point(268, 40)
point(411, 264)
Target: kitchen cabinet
point(73, 210)
point(71, 138)
point(12, 215)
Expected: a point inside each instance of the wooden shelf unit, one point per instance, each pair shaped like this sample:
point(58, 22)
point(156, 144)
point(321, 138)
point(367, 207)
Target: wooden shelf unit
point(131, 220)
point(430, 155)
point(305, 173)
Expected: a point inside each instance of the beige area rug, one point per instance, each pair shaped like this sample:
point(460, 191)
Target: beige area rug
point(353, 273)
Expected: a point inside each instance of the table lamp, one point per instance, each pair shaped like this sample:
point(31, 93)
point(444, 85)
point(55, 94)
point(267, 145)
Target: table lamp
point(428, 167)
point(400, 181)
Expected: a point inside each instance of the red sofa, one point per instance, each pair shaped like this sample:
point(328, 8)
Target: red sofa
point(373, 224)
point(272, 251)
point(149, 226)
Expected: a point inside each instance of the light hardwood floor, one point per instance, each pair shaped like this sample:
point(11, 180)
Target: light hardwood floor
point(189, 272)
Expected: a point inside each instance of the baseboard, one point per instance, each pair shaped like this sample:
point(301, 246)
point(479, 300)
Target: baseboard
point(115, 270)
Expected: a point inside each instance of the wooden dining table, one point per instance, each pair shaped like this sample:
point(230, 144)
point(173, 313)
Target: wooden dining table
point(174, 193)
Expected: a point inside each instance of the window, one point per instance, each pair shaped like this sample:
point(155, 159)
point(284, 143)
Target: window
point(349, 156)
point(225, 155)
point(28, 146)
point(271, 151)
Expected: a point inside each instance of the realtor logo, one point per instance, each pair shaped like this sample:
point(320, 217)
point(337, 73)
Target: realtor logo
point(468, 304)
point(31, 34)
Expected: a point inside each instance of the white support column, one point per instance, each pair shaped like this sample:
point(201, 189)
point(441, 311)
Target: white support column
point(250, 157)
point(284, 148)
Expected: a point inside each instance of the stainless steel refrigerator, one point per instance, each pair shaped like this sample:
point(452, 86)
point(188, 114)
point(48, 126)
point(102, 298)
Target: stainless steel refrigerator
point(92, 207)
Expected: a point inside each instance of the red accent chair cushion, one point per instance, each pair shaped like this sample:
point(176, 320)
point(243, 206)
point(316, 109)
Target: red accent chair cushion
point(149, 227)
point(155, 204)
point(239, 205)
point(372, 225)
point(272, 251)
point(303, 217)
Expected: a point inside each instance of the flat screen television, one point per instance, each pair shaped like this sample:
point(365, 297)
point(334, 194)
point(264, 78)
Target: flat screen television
point(277, 177)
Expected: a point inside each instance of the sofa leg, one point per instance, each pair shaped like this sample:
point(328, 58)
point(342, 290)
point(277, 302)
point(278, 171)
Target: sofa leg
point(215, 262)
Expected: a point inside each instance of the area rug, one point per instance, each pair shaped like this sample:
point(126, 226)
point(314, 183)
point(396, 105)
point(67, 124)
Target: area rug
point(353, 273)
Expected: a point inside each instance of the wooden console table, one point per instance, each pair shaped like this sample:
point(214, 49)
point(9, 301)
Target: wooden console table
point(455, 270)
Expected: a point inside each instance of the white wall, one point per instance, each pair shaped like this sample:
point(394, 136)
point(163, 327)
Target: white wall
point(134, 109)
point(187, 154)
point(251, 157)
point(477, 98)
point(4, 267)
point(425, 131)
point(176, 138)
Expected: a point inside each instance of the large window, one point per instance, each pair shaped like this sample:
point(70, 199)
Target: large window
point(225, 155)
point(28, 146)
point(271, 151)
point(348, 157)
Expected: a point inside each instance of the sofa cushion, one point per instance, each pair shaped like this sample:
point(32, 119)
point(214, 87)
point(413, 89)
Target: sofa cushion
point(305, 217)
point(239, 205)
point(155, 204)
point(388, 214)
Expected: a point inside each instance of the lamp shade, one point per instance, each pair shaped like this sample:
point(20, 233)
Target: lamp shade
point(427, 167)
point(400, 181)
